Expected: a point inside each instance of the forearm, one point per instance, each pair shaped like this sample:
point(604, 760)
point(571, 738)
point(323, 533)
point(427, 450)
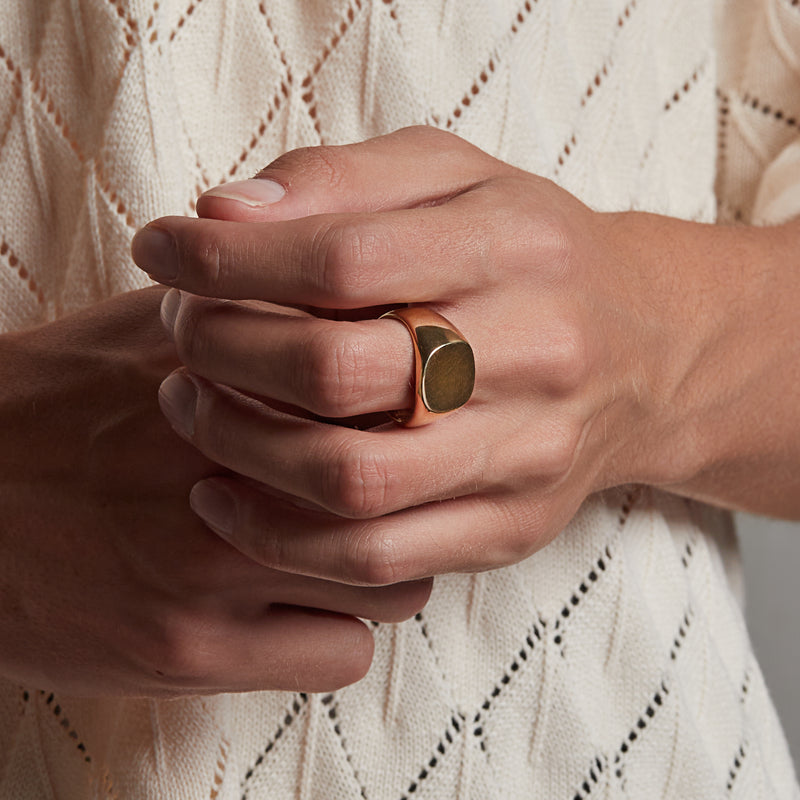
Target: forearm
point(724, 387)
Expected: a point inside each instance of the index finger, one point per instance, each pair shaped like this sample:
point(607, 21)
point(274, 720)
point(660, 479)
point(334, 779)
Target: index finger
point(328, 260)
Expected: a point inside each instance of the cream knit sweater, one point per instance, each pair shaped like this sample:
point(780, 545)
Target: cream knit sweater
point(615, 663)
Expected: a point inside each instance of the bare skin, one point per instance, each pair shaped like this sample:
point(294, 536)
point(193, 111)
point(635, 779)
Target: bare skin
point(610, 348)
point(109, 584)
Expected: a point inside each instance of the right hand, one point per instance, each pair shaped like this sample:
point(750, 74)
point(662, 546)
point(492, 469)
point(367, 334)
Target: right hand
point(108, 582)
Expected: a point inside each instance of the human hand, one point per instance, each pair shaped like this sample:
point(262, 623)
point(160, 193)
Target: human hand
point(109, 583)
point(579, 321)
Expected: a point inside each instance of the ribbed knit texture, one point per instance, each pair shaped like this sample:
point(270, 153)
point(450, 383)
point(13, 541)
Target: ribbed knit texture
point(614, 663)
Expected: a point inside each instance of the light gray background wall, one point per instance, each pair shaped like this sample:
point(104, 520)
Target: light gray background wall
point(771, 555)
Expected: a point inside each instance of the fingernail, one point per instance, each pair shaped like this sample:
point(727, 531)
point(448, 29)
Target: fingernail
point(213, 505)
point(256, 193)
point(177, 397)
point(170, 306)
point(155, 251)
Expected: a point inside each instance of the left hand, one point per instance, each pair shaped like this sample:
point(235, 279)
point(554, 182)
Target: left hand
point(578, 348)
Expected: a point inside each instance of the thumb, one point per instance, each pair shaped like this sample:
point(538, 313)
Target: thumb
point(409, 168)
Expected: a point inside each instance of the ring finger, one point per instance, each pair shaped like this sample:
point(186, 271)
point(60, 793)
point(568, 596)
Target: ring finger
point(349, 472)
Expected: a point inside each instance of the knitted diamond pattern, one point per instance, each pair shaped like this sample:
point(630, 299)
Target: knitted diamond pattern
point(615, 662)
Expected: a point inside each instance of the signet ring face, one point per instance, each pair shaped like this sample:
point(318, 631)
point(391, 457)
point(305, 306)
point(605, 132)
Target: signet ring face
point(444, 366)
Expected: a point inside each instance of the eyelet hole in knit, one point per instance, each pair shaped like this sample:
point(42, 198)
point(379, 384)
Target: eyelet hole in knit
point(24, 275)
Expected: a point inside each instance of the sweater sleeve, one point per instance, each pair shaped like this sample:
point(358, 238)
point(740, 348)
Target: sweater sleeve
point(758, 170)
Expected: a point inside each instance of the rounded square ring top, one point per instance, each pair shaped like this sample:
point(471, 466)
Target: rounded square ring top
point(444, 366)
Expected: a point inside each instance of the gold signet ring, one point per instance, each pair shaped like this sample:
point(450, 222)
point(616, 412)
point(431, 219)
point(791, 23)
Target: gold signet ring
point(444, 366)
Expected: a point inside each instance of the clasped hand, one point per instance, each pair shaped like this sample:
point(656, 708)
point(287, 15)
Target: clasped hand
point(109, 584)
point(281, 281)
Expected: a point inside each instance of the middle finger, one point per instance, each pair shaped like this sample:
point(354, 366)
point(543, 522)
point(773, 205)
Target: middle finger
point(316, 364)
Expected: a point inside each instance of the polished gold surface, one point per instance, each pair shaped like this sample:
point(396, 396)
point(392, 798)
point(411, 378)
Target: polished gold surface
point(444, 366)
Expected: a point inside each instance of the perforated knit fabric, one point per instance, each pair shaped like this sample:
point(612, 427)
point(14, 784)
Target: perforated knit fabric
point(614, 663)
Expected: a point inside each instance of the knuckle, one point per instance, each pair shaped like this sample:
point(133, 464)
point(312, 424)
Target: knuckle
point(175, 650)
point(436, 140)
point(191, 334)
point(332, 375)
point(265, 549)
point(519, 533)
point(558, 358)
point(356, 484)
point(370, 558)
point(201, 253)
point(568, 362)
point(429, 135)
point(213, 435)
point(345, 254)
point(323, 164)
point(544, 229)
point(257, 537)
point(332, 267)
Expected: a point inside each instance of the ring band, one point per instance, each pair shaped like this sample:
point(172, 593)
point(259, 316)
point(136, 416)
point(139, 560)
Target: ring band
point(444, 366)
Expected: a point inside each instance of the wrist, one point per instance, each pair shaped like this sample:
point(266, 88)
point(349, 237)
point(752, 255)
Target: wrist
point(715, 361)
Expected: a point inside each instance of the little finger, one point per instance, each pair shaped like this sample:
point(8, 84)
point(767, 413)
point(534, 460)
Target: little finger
point(466, 534)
